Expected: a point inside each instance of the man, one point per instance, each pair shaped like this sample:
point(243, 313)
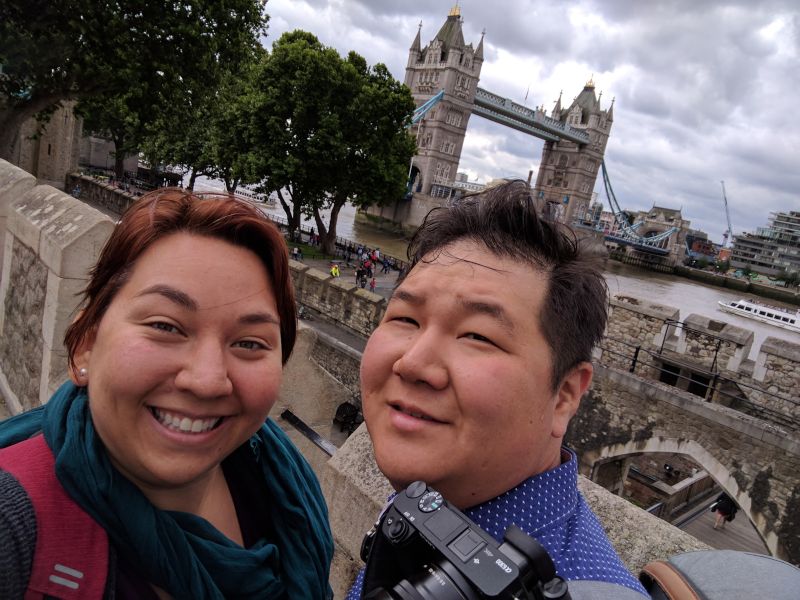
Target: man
point(477, 367)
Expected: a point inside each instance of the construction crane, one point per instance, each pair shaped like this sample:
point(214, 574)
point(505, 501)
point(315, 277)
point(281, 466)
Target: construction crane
point(729, 232)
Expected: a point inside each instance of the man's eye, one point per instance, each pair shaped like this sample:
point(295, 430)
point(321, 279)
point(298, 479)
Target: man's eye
point(478, 338)
point(403, 319)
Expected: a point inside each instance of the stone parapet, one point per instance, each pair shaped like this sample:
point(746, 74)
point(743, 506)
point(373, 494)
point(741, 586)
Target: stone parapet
point(713, 344)
point(14, 183)
point(51, 242)
point(338, 301)
point(99, 193)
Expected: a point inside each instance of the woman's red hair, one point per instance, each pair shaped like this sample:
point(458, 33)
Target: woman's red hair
point(171, 210)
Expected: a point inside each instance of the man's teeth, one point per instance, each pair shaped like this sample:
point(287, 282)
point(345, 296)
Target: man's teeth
point(184, 424)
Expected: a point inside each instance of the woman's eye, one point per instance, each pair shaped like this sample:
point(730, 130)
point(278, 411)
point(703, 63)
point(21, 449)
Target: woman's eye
point(166, 327)
point(250, 345)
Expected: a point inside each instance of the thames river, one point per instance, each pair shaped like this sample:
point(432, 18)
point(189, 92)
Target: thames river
point(690, 297)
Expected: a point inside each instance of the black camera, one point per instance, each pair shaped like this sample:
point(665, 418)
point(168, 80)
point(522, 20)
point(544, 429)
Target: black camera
point(422, 548)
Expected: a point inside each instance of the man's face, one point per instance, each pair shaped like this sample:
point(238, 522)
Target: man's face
point(456, 385)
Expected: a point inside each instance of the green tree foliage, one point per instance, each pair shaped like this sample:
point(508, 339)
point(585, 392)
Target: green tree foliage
point(142, 53)
point(330, 129)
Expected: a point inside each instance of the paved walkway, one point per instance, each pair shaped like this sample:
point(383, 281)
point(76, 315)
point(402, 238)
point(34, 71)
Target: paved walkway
point(738, 534)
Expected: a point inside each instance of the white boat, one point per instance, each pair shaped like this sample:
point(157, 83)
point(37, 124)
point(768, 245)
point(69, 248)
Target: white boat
point(251, 194)
point(780, 317)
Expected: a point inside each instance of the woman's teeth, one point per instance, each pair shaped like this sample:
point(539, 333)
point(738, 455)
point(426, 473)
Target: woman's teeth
point(184, 424)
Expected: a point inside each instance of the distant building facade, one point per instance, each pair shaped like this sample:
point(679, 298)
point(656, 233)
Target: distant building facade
point(49, 150)
point(770, 250)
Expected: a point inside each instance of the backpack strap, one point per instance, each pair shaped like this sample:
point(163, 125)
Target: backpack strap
point(71, 556)
point(671, 582)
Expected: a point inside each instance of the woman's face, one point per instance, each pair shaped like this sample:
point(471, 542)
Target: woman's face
point(185, 364)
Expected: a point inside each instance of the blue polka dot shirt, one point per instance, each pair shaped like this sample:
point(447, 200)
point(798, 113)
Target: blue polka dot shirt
point(550, 508)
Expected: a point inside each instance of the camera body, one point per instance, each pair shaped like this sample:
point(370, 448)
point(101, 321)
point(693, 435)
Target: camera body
point(424, 548)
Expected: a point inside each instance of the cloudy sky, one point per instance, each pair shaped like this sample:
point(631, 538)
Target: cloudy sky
point(705, 90)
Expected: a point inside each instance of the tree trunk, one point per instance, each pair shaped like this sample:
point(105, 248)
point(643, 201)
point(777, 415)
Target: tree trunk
point(192, 179)
point(329, 237)
point(292, 214)
point(119, 155)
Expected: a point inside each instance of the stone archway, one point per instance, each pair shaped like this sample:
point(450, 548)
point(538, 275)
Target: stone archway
point(718, 471)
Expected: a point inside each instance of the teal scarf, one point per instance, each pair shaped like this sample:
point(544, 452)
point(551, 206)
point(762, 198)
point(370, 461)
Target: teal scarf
point(180, 552)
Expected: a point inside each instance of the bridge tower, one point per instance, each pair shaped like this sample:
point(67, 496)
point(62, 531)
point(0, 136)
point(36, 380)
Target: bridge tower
point(568, 170)
point(446, 63)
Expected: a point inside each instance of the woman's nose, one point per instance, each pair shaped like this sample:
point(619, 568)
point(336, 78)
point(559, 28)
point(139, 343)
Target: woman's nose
point(422, 361)
point(205, 372)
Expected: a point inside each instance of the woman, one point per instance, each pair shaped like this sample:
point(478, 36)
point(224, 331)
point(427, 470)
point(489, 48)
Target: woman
point(161, 435)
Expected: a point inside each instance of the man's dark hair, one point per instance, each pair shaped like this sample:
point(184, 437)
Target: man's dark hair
point(504, 220)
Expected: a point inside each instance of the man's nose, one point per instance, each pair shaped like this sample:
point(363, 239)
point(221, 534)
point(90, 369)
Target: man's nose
point(205, 372)
point(422, 361)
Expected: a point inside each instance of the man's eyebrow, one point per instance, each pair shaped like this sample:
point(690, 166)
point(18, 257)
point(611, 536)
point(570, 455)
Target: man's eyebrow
point(170, 293)
point(408, 297)
point(490, 309)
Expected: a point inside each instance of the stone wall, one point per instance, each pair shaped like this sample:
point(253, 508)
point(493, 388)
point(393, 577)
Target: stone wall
point(699, 344)
point(50, 242)
point(339, 301)
point(102, 194)
point(756, 463)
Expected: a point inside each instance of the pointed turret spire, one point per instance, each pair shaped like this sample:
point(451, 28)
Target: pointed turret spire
point(479, 50)
point(557, 108)
point(610, 114)
point(415, 46)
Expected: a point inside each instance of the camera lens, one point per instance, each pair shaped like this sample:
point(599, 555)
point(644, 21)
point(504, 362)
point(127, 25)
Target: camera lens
point(436, 581)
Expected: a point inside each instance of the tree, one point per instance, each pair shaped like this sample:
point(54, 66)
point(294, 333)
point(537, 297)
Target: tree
point(79, 49)
point(331, 130)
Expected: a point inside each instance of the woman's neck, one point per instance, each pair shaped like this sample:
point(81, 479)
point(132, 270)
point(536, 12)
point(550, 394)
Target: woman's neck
point(208, 497)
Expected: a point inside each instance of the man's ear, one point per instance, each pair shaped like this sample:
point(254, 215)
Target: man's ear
point(568, 396)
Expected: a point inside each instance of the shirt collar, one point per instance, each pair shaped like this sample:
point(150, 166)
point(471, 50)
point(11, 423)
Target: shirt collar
point(549, 497)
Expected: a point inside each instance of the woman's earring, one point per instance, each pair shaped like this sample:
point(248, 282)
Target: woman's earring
point(83, 372)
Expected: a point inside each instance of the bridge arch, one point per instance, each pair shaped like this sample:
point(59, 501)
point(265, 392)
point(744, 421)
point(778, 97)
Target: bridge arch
point(591, 459)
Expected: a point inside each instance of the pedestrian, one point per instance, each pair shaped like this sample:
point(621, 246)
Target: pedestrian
point(294, 252)
point(725, 508)
point(372, 285)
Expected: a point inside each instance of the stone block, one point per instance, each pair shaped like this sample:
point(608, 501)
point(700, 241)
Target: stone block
point(71, 240)
point(61, 302)
point(14, 183)
point(28, 215)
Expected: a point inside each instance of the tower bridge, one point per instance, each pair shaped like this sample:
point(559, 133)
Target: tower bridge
point(574, 136)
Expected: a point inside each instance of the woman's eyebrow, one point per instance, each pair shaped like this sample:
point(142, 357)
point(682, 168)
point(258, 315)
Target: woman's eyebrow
point(170, 293)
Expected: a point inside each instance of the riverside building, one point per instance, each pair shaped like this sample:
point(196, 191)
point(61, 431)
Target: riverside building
point(770, 250)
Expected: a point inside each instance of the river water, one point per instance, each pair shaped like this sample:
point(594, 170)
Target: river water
point(690, 297)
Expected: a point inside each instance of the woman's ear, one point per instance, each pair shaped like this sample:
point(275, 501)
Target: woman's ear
point(568, 397)
point(79, 361)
